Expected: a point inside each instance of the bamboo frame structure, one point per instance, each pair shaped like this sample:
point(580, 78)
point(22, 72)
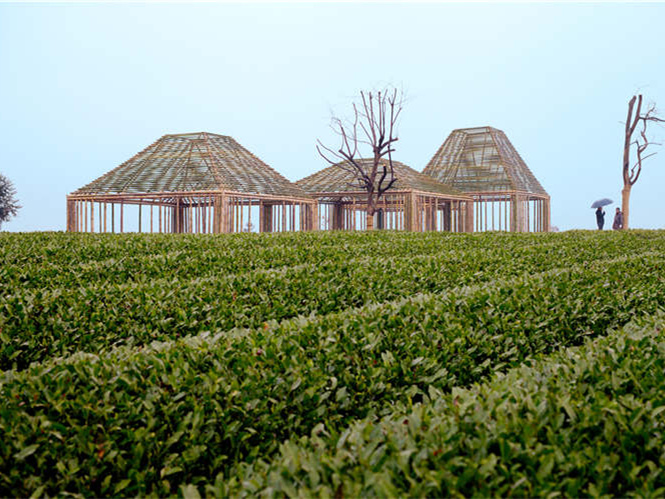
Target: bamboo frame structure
point(192, 183)
point(415, 202)
point(482, 162)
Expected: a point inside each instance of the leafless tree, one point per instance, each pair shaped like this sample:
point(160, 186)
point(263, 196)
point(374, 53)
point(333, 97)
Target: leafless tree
point(8, 204)
point(374, 127)
point(641, 142)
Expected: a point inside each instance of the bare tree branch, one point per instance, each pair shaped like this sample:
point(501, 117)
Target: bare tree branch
point(375, 118)
point(639, 143)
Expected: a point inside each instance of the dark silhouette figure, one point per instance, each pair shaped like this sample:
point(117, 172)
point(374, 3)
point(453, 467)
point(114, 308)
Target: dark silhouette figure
point(600, 218)
point(618, 220)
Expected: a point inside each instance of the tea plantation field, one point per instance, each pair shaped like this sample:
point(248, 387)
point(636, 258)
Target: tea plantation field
point(332, 365)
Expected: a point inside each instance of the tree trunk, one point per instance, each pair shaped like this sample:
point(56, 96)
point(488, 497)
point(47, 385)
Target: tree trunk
point(625, 204)
point(370, 221)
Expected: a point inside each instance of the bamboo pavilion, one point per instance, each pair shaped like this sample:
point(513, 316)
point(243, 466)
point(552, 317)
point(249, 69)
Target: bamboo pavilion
point(195, 183)
point(415, 202)
point(483, 163)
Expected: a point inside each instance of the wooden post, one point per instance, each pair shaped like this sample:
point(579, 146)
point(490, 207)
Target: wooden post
point(313, 218)
point(410, 212)
point(175, 223)
point(447, 216)
point(426, 214)
point(204, 218)
point(209, 216)
point(200, 218)
point(230, 214)
point(267, 210)
point(177, 215)
point(513, 213)
point(70, 218)
point(486, 217)
point(261, 216)
point(225, 220)
point(216, 216)
point(190, 218)
point(337, 214)
point(283, 228)
point(469, 216)
point(432, 214)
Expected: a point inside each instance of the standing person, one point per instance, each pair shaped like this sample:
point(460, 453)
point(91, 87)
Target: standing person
point(618, 220)
point(600, 218)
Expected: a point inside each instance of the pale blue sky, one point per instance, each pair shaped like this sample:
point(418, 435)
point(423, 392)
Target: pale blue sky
point(85, 86)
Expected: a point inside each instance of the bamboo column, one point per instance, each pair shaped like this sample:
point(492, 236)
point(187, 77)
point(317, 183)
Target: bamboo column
point(283, 217)
point(469, 216)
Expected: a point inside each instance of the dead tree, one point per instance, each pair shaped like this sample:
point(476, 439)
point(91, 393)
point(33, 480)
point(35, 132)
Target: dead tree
point(641, 142)
point(373, 127)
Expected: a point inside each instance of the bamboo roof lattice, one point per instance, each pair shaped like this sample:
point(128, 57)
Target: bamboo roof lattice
point(192, 162)
point(338, 180)
point(482, 159)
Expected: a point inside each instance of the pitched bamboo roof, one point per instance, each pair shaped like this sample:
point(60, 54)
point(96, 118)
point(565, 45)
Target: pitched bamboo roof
point(336, 179)
point(194, 162)
point(482, 159)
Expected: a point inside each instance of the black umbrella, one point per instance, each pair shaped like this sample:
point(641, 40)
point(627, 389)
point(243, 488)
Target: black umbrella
point(602, 202)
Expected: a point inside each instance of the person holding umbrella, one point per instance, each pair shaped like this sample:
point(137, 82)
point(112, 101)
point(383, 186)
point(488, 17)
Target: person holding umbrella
point(600, 217)
point(600, 213)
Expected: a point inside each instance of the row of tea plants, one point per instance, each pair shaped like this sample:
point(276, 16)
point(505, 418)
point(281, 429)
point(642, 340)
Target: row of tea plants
point(332, 365)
